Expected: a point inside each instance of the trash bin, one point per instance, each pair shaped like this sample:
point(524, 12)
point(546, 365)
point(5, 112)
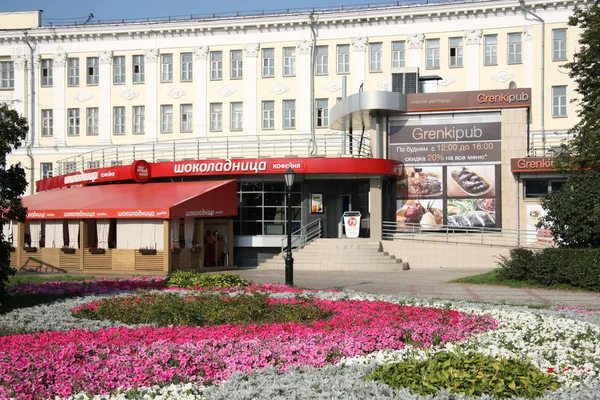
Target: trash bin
point(352, 223)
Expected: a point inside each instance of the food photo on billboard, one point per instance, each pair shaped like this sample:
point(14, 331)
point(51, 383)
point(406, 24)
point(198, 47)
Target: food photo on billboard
point(316, 203)
point(420, 182)
point(420, 214)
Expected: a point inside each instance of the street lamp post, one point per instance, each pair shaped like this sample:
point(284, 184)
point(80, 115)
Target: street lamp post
point(289, 260)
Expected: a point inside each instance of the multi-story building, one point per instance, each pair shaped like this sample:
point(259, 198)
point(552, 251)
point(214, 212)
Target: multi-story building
point(104, 94)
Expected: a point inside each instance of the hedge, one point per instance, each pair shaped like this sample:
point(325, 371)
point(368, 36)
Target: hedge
point(551, 266)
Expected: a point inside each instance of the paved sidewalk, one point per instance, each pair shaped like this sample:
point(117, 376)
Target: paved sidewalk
point(426, 283)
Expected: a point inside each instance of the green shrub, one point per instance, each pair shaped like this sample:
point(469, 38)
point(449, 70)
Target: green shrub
point(554, 266)
point(191, 280)
point(202, 309)
point(471, 374)
point(517, 265)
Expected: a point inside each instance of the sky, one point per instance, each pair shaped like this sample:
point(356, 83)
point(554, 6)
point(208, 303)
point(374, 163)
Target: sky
point(69, 11)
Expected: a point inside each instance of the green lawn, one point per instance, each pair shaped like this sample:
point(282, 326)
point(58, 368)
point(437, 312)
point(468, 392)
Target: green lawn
point(495, 278)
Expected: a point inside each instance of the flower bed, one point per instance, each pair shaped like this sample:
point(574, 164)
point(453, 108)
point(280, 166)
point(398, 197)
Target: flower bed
point(322, 359)
point(96, 286)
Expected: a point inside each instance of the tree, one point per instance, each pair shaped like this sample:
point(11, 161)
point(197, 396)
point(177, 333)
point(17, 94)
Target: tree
point(582, 153)
point(13, 130)
point(573, 212)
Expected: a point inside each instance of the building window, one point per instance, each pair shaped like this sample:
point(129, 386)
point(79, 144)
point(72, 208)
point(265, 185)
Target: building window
point(216, 116)
point(456, 52)
point(138, 119)
point(559, 101)
point(187, 67)
point(289, 61)
point(289, 114)
point(47, 123)
point(268, 115)
point(116, 163)
point(73, 71)
point(216, 65)
point(490, 44)
point(537, 188)
point(187, 111)
point(398, 54)
point(237, 116)
point(322, 114)
point(322, 60)
point(138, 69)
point(7, 75)
point(46, 170)
point(263, 208)
point(375, 57)
point(119, 120)
point(73, 121)
point(119, 70)
point(93, 69)
point(559, 45)
point(166, 118)
point(433, 53)
point(268, 62)
point(70, 167)
point(92, 121)
point(514, 48)
point(46, 73)
point(93, 164)
point(166, 68)
point(343, 59)
point(237, 71)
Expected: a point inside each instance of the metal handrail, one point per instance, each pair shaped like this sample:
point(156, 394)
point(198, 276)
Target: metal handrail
point(493, 237)
point(330, 144)
point(301, 237)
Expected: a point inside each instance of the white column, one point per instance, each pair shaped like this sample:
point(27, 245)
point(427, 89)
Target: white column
point(359, 63)
point(415, 51)
point(529, 58)
point(305, 101)
point(251, 106)
point(201, 122)
point(105, 110)
point(20, 90)
point(151, 79)
point(59, 60)
point(473, 58)
point(37, 60)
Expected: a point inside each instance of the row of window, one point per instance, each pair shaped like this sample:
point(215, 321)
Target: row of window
point(236, 118)
point(376, 61)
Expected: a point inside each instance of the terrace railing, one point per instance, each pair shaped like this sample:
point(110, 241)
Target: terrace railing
point(330, 144)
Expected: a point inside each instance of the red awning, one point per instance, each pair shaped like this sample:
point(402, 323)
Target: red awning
point(148, 200)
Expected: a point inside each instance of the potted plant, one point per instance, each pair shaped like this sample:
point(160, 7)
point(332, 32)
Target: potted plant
point(175, 250)
point(67, 250)
point(29, 249)
point(197, 248)
point(147, 251)
point(95, 250)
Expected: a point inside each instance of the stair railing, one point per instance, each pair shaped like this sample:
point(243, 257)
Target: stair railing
point(306, 234)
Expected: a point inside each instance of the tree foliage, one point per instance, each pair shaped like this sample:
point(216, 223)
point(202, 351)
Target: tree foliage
point(573, 212)
point(583, 151)
point(13, 131)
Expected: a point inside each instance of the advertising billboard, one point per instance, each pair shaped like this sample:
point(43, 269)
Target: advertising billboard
point(449, 174)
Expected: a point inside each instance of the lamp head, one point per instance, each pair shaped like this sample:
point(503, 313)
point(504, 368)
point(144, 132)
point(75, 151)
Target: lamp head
point(289, 176)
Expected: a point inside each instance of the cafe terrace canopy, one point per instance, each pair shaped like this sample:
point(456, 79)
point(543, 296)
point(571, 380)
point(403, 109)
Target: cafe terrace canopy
point(148, 200)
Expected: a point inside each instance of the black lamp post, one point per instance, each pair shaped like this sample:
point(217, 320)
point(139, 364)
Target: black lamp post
point(289, 260)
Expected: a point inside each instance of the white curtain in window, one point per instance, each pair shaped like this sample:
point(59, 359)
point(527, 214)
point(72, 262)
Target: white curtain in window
point(73, 225)
point(174, 224)
point(102, 227)
point(9, 230)
point(35, 228)
point(53, 234)
point(140, 233)
point(188, 231)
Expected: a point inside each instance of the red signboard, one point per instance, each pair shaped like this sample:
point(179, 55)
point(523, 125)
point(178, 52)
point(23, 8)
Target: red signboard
point(141, 171)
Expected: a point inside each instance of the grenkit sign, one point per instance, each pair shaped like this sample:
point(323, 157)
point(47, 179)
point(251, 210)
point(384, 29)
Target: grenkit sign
point(161, 213)
point(532, 165)
point(445, 143)
point(478, 99)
